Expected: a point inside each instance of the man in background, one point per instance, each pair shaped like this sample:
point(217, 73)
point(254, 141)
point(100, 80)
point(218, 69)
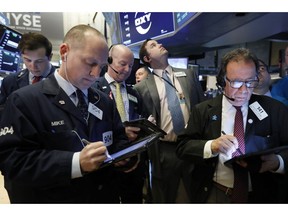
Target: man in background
point(36, 53)
point(168, 94)
point(279, 90)
point(120, 61)
point(141, 73)
point(263, 87)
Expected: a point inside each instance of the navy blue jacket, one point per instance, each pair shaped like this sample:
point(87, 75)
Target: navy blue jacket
point(39, 133)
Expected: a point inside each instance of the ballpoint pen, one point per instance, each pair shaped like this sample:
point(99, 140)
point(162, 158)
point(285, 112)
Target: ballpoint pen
point(238, 150)
point(86, 142)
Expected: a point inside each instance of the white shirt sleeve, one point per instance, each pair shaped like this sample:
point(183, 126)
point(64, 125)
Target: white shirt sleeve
point(207, 150)
point(76, 169)
point(281, 169)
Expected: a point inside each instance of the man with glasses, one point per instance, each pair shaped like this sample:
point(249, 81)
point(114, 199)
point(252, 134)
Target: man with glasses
point(36, 53)
point(210, 138)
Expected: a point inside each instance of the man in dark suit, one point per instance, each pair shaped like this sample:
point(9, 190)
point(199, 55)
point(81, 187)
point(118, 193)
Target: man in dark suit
point(42, 155)
point(120, 62)
point(264, 121)
point(36, 52)
point(170, 176)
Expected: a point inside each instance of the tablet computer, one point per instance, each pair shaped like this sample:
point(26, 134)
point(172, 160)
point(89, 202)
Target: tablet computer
point(255, 156)
point(137, 147)
point(146, 127)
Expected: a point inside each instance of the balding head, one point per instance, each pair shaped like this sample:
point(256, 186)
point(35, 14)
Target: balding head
point(121, 59)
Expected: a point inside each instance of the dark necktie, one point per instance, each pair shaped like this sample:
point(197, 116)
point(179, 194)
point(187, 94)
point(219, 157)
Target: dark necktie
point(240, 188)
point(82, 105)
point(173, 105)
point(36, 79)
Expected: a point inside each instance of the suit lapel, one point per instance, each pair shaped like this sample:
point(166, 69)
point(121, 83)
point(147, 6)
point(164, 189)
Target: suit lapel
point(215, 116)
point(151, 87)
point(94, 98)
point(60, 99)
point(23, 78)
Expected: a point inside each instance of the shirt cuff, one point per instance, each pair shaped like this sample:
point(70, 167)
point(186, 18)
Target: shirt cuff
point(76, 169)
point(281, 169)
point(207, 150)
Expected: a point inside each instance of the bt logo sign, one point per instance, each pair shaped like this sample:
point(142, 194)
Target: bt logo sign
point(141, 23)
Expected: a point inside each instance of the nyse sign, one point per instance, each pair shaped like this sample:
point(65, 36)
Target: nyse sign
point(25, 22)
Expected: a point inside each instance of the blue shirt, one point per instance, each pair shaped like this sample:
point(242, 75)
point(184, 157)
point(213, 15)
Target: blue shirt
point(279, 90)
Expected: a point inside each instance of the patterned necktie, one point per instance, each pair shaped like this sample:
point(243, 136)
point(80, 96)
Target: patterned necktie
point(119, 102)
point(239, 131)
point(36, 79)
point(240, 188)
point(82, 105)
point(173, 105)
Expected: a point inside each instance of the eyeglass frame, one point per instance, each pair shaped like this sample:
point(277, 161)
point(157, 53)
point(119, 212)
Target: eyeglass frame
point(243, 82)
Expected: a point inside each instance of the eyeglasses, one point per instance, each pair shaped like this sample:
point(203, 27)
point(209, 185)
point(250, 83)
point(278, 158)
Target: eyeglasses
point(238, 84)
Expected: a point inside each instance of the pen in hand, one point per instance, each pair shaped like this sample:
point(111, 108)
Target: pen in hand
point(238, 150)
point(86, 142)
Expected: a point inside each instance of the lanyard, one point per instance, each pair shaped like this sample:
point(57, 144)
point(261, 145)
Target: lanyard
point(165, 80)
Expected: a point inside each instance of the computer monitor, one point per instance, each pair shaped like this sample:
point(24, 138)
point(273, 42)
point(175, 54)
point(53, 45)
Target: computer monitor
point(9, 54)
point(178, 62)
point(137, 27)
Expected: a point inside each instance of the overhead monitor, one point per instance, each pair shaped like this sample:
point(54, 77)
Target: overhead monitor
point(179, 62)
point(139, 26)
point(183, 18)
point(9, 53)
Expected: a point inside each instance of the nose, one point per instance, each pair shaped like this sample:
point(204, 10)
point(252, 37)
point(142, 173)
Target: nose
point(243, 88)
point(95, 71)
point(33, 65)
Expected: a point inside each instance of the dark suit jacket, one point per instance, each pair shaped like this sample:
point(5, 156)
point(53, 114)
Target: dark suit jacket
point(40, 132)
point(205, 124)
point(134, 106)
point(13, 82)
point(151, 104)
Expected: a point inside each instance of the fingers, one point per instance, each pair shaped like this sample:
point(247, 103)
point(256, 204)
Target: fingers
point(92, 156)
point(132, 132)
point(225, 144)
point(269, 163)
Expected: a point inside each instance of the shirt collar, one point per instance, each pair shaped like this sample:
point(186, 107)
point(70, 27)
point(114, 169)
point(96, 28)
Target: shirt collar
point(160, 71)
point(110, 80)
point(67, 86)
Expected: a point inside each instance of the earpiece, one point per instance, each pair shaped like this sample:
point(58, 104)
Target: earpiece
point(220, 79)
point(110, 60)
point(65, 57)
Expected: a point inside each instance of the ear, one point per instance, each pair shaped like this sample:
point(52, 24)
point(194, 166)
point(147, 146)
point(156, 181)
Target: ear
point(63, 51)
point(146, 59)
point(50, 57)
